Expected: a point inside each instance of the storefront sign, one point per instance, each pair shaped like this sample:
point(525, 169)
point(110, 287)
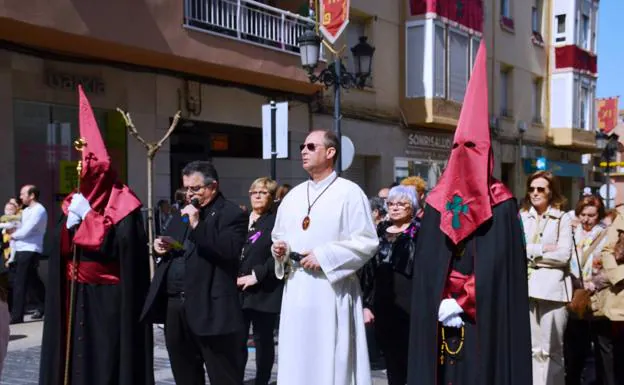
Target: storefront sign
point(562, 169)
point(428, 145)
point(70, 82)
point(334, 18)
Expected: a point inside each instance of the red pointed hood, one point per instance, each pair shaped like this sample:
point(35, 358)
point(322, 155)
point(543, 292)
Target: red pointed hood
point(467, 192)
point(98, 180)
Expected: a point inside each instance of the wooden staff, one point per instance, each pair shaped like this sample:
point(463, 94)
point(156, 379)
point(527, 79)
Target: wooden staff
point(78, 145)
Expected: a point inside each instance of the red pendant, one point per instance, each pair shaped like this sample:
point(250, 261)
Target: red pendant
point(306, 223)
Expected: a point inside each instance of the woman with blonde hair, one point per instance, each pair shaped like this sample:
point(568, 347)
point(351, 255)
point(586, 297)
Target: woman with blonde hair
point(548, 235)
point(260, 290)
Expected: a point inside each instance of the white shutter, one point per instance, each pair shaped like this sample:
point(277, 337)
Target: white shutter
point(458, 65)
point(473, 52)
point(439, 68)
point(415, 61)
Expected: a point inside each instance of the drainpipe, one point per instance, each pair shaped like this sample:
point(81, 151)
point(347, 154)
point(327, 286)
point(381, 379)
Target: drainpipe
point(549, 53)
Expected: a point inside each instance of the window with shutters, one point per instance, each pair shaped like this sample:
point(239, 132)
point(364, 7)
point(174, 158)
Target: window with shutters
point(439, 67)
point(459, 44)
point(439, 62)
point(415, 61)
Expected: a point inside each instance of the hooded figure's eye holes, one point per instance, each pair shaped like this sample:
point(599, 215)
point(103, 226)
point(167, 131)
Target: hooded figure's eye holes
point(470, 145)
point(455, 145)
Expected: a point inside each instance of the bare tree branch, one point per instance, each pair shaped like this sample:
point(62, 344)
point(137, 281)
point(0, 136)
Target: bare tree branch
point(131, 127)
point(152, 151)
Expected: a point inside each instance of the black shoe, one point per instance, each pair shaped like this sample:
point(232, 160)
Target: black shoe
point(37, 315)
point(16, 321)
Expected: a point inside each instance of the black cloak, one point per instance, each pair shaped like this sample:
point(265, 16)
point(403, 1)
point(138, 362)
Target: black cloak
point(110, 345)
point(497, 349)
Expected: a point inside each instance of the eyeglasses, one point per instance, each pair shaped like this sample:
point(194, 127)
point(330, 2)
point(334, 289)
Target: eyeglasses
point(195, 189)
point(310, 146)
point(539, 189)
point(261, 193)
point(401, 205)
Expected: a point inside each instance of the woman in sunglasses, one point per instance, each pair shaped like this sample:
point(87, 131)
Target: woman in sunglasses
point(548, 235)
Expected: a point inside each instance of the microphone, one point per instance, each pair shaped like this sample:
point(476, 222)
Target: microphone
point(195, 203)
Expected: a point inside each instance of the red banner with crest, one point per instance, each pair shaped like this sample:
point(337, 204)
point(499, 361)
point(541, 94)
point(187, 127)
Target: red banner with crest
point(607, 109)
point(333, 18)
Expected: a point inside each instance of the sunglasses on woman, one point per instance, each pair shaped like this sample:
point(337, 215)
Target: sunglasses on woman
point(539, 189)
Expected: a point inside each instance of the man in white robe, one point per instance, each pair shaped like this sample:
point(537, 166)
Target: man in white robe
point(328, 221)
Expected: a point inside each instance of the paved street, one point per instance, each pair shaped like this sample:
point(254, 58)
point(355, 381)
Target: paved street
point(21, 366)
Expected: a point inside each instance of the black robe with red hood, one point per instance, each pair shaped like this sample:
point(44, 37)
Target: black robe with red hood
point(109, 344)
point(471, 248)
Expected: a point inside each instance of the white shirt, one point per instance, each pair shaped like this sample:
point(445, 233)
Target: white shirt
point(29, 237)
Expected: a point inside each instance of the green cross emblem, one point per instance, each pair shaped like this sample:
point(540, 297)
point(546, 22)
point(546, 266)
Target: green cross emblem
point(457, 208)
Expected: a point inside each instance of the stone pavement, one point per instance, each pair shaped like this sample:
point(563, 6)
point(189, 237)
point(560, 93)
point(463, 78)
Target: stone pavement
point(21, 366)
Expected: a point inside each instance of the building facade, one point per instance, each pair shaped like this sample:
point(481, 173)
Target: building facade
point(540, 85)
point(218, 62)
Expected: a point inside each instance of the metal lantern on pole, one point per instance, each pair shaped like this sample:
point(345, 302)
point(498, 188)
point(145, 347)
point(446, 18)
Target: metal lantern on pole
point(363, 57)
point(310, 48)
point(335, 74)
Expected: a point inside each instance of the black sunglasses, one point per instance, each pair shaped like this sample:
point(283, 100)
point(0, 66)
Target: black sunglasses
point(310, 146)
point(539, 189)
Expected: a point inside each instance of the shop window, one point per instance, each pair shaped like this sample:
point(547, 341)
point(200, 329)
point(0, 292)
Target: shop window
point(45, 156)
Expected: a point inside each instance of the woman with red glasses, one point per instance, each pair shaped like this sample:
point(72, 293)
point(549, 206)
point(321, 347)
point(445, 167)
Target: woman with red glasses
point(548, 235)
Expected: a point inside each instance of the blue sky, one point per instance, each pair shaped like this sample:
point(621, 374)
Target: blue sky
point(610, 50)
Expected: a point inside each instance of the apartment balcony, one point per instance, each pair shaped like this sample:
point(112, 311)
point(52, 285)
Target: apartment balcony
point(576, 58)
point(247, 21)
point(575, 138)
point(237, 41)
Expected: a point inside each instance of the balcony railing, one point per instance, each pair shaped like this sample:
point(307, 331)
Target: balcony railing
point(247, 20)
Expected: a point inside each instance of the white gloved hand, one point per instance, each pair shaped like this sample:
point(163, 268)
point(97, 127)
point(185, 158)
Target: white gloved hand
point(449, 308)
point(79, 206)
point(453, 322)
point(72, 220)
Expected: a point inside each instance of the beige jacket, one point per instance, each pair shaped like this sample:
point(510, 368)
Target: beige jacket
point(613, 306)
point(550, 275)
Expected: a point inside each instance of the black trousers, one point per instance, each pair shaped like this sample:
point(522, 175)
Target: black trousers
point(223, 356)
point(263, 326)
point(392, 335)
point(26, 278)
point(578, 339)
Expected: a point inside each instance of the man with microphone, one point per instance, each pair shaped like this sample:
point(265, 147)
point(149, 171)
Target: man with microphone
point(194, 289)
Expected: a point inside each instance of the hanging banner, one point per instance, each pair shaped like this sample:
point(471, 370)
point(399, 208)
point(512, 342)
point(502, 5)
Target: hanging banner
point(607, 109)
point(334, 17)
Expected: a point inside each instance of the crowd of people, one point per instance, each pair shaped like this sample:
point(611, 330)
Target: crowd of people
point(460, 285)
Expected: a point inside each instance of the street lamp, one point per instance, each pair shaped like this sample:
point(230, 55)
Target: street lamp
point(608, 144)
point(336, 74)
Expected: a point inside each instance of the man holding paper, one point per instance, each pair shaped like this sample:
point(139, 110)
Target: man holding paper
point(194, 289)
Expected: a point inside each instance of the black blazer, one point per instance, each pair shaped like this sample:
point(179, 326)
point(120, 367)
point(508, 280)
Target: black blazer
point(212, 253)
point(266, 295)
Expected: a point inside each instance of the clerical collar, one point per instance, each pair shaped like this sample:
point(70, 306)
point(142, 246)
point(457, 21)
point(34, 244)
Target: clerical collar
point(322, 183)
